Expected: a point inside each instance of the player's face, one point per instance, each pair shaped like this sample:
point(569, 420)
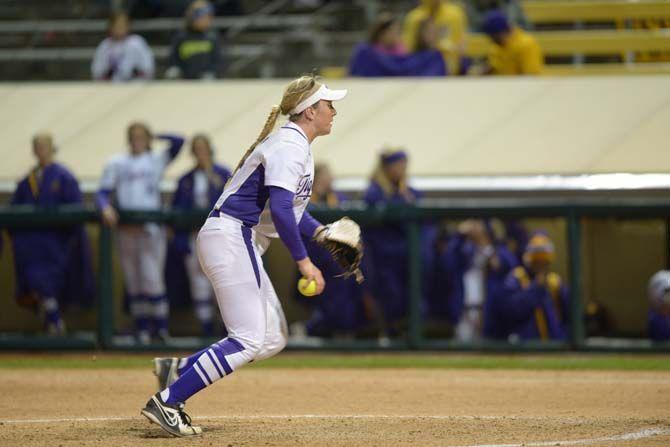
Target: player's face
point(139, 140)
point(202, 153)
point(539, 266)
point(44, 151)
point(203, 23)
point(119, 28)
point(391, 37)
point(323, 117)
point(396, 171)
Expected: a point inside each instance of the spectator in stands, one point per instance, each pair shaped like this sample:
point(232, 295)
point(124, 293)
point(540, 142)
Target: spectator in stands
point(53, 266)
point(515, 52)
point(477, 9)
point(134, 178)
point(338, 311)
point(122, 56)
point(476, 262)
point(199, 188)
point(658, 321)
point(451, 23)
point(384, 54)
point(195, 51)
point(385, 260)
point(533, 302)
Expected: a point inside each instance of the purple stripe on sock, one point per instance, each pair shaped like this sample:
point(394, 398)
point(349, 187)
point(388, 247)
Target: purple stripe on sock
point(227, 346)
point(246, 234)
point(236, 343)
point(204, 372)
point(211, 358)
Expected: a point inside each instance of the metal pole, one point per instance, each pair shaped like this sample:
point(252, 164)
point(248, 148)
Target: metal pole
point(575, 266)
point(106, 297)
point(415, 326)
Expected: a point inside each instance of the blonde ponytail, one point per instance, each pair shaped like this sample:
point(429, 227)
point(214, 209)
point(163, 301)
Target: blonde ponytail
point(295, 92)
point(267, 128)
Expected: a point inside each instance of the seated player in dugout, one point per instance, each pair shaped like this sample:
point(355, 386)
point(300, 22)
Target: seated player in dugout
point(451, 23)
point(514, 51)
point(196, 51)
point(476, 261)
point(658, 320)
point(199, 189)
point(533, 302)
point(339, 310)
point(53, 266)
point(133, 180)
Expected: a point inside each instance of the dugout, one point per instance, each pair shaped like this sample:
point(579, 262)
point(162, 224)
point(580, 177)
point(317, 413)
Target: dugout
point(510, 143)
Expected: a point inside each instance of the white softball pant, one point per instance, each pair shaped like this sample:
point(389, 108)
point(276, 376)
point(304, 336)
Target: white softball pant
point(230, 256)
point(201, 288)
point(142, 255)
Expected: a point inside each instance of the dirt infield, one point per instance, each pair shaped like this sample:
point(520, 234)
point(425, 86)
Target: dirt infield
point(344, 407)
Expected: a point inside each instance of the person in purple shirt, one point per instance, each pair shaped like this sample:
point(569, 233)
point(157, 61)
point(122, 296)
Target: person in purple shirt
point(658, 320)
point(385, 55)
point(52, 265)
point(197, 189)
point(385, 260)
point(533, 301)
point(476, 263)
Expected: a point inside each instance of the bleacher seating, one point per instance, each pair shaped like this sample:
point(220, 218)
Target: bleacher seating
point(570, 11)
point(578, 37)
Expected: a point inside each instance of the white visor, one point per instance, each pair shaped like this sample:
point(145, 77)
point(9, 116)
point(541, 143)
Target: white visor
point(323, 93)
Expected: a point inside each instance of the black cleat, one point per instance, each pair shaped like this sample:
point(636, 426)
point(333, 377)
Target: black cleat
point(171, 418)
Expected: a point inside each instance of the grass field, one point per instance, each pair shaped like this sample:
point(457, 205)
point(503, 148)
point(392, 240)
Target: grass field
point(347, 400)
point(602, 362)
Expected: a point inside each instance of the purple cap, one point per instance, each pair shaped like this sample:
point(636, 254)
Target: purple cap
point(495, 22)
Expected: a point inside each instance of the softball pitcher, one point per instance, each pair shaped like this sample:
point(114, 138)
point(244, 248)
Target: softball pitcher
point(135, 178)
point(265, 198)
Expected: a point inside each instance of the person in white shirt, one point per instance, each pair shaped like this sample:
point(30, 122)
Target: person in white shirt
point(134, 179)
point(122, 56)
point(265, 198)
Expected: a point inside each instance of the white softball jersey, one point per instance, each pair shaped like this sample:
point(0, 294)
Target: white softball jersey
point(283, 159)
point(136, 179)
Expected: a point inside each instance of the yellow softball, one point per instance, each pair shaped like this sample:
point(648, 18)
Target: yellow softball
point(307, 288)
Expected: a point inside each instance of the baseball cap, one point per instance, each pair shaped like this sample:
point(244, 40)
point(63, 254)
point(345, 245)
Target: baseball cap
point(323, 93)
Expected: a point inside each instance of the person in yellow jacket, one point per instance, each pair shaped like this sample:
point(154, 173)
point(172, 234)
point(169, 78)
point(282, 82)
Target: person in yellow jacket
point(515, 52)
point(451, 22)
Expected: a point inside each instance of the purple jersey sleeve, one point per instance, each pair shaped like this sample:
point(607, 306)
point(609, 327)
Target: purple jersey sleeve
point(281, 208)
point(308, 225)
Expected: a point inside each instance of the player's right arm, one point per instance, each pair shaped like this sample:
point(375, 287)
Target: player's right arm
point(103, 197)
point(281, 209)
point(176, 142)
point(283, 168)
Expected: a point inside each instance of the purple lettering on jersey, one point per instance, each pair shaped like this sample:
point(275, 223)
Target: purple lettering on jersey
point(304, 190)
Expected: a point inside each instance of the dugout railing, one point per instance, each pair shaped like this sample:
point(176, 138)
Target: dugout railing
point(572, 210)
